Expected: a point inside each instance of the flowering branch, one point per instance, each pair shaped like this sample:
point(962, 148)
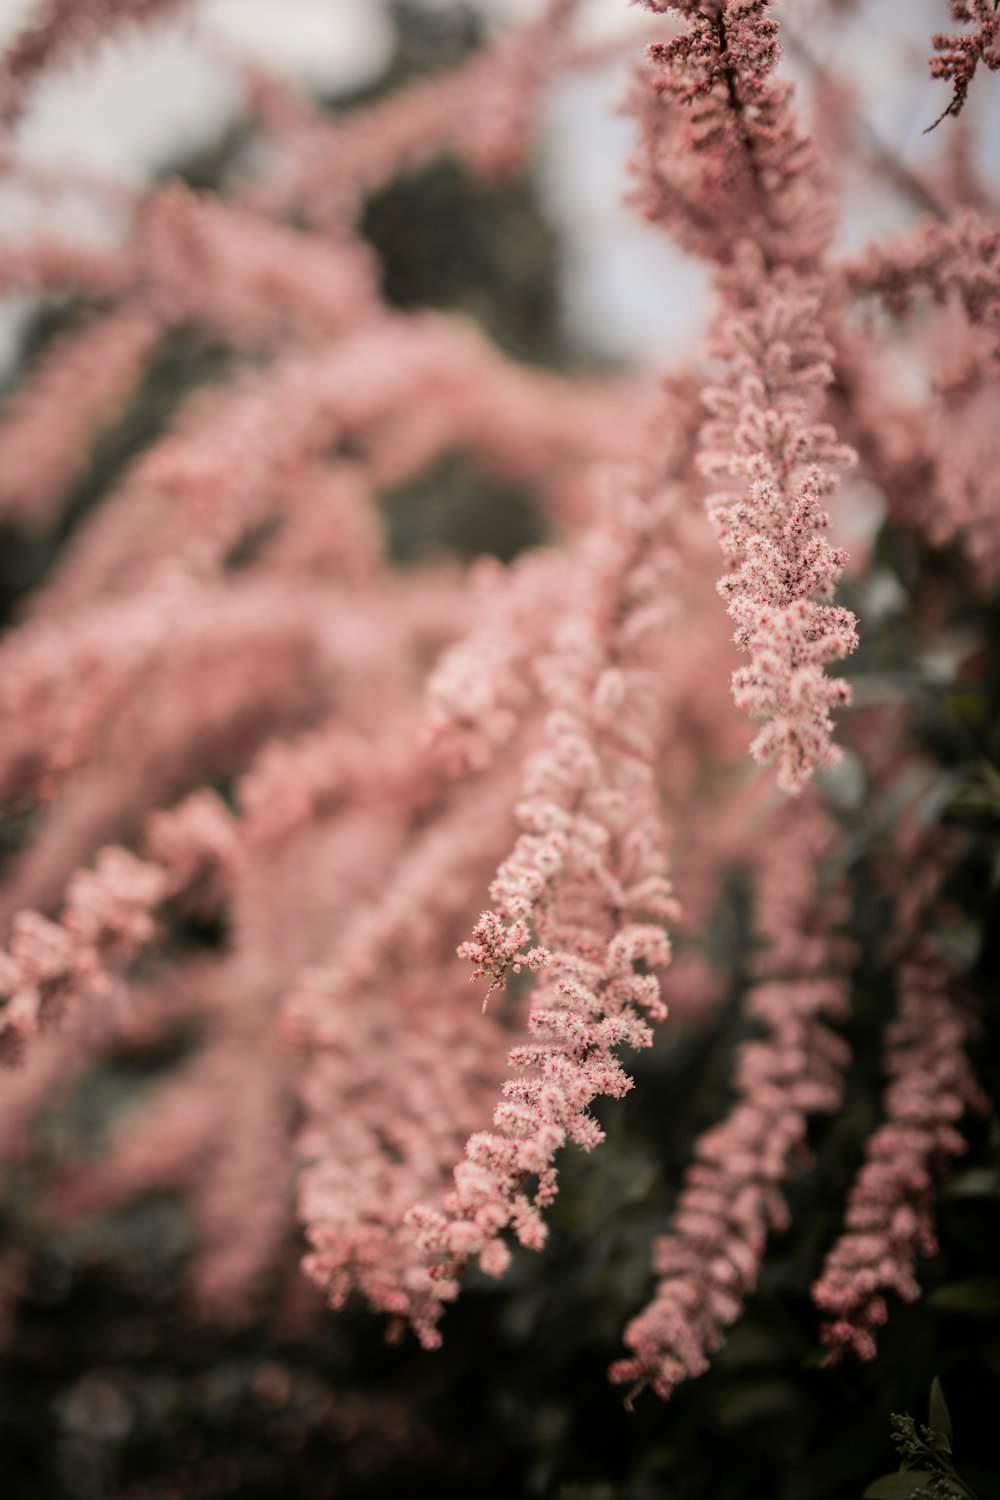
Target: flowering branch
point(51, 968)
point(588, 873)
point(763, 429)
point(62, 29)
point(890, 1208)
point(960, 53)
point(763, 425)
point(731, 1199)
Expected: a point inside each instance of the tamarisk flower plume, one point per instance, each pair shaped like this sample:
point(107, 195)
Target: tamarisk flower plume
point(763, 424)
point(484, 112)
point(958, 55)
point(482, 687)
point(588, 875)
point(890, 1208)
point(417, 1074)
point(763, 430)
point(722, 162)
point(396, 1053)
point(938, 458)
point(957, 262)
point(61, 30)
point(108, 916)
point(79, 387)
point(732, 1196)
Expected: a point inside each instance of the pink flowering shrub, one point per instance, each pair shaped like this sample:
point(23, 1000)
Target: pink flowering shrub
point(399, 880)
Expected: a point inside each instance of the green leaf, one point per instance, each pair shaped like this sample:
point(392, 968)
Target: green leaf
point(979, 1294)
point(897, 1486)
point(961, 942)
point(939, 1418)
point(976, 1182)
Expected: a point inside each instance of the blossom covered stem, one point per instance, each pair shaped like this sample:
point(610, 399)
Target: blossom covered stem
point(958, 54)
point(62, 29)
point(890, 1214)
point(764, 432)
point(588, 875)
point(108, 916)
point(931, 1085)
point(756, 177)
point(732, 1195)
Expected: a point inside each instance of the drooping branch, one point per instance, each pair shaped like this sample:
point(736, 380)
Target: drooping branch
point(958, 54)
point(732, 1198)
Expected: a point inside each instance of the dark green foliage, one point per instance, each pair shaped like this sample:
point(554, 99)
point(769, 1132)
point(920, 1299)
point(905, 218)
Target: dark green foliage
point(926, 1468)
point(459, 507)
point(447, 241)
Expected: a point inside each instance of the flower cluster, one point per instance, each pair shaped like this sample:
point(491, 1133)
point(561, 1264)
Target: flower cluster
point(588, 874)
point(731, 1199)
point(889, 1211)
point(51, 968)
point(958, 55)
point(763, 431)
point(890, 1208)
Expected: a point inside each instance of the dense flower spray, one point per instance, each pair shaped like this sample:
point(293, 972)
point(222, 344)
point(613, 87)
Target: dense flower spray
point(731, 1198)
point(764, 213)
point(588, 875)
point(890, 1208)
point(783, 566)
point(272, 798)
point(958, 55)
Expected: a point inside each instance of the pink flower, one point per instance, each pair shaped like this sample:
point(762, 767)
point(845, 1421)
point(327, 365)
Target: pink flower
point(959, 54)
point(731, 1199)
